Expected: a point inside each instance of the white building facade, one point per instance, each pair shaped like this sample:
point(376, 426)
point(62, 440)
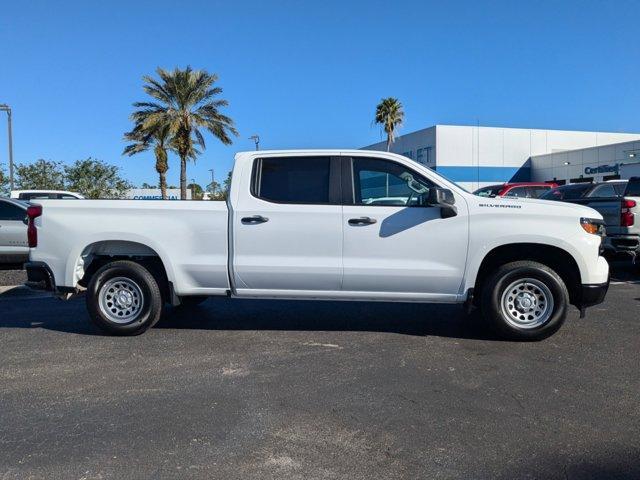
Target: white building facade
point(476, 157)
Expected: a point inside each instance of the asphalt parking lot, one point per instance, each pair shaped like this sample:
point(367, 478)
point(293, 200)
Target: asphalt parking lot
point(310, 390)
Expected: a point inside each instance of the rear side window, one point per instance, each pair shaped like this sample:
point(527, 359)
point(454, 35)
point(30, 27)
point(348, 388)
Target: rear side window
point(567, 192)
point(604, 190)
point(292, 179)
point(522, 192)
point(633, 187)
point(9, 211)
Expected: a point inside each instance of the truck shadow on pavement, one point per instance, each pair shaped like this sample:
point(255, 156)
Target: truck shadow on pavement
point(226, 314)
point(402, 318)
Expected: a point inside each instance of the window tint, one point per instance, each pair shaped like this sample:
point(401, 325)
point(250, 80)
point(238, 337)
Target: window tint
point(292, 179)
point(9, 211)
point(567, 192)
point(381, 182)
point(522, 192)
point(604, 190)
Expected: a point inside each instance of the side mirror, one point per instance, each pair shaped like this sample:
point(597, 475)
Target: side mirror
point(443, 198)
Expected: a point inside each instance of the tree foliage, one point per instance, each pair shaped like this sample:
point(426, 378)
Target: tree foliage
point(142, 141)
point(96, 179)
point(389, 115)
point(184, 102)
point(4, 181)
point(220, 192)
point(40, 175)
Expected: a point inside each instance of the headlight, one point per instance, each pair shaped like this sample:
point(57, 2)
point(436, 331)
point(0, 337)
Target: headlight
point(593, 226)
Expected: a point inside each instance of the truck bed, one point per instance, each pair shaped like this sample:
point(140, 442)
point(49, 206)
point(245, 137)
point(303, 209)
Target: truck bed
point(189, 236)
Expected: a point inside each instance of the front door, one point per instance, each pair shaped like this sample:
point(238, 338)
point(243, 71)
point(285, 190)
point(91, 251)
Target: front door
point(395, 243)
point(287, 230)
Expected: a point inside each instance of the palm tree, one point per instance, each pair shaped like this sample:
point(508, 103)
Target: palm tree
point(390, 115)
point(142, 141)
point(184, 103)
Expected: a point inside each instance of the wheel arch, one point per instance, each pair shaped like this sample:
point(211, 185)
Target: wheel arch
point(97, 254)
point(556, 258)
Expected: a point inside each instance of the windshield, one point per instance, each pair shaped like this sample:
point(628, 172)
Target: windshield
point(491, 191)
point(567, 192)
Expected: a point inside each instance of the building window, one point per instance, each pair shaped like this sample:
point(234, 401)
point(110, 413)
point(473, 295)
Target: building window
point(423, 155)
point(408, 154)
point(581, 180)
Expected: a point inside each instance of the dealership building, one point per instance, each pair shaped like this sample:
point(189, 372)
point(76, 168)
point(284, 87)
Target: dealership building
point(478, 156)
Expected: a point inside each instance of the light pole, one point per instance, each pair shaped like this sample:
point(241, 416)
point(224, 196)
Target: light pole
point(256, 139)
point(6, 108)
point(213, 183)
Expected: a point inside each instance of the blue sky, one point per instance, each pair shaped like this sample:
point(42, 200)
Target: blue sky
point(309, 74)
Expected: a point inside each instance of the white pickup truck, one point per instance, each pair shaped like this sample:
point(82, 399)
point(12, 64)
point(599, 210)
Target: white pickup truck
point(324, 224)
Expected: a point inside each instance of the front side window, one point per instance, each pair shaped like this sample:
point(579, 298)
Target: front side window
point(292, 179)
point(491, 191)
point(10, 212)
point(537, 192)
point(386, 183)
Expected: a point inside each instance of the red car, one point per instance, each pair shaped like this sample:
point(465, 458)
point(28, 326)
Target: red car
point(521, 189)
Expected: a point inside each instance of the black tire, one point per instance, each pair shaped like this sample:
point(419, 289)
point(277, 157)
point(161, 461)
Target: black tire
point(192, 301)
point(543, 322)
point(141, 284)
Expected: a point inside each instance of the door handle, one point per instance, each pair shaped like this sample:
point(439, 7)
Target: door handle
point(254, 220)
point(362, 221)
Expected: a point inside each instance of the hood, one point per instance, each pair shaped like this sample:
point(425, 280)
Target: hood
point(537, 206)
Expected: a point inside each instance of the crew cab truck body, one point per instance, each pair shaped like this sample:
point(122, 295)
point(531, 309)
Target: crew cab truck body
point(335, 225)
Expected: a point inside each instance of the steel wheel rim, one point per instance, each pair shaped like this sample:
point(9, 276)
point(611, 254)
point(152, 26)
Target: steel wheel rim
point(121, 300)
point(527, 303)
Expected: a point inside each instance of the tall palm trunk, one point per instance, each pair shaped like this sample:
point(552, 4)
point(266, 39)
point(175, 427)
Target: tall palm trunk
point(163, 186)
point(183, 177)
point(162, 165)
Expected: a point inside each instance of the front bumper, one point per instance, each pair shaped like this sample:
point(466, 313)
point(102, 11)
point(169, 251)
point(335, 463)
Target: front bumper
point(592, 294)
point(39, 276)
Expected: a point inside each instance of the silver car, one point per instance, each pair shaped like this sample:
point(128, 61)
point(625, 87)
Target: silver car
point(14, 247)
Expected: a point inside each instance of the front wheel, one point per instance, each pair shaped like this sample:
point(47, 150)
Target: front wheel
point(525, 300)
point(124, 298)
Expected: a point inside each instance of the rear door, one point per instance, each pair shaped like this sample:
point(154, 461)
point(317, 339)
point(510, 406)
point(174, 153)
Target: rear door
point(396, 246)
point(13, 231)
point(287, 230)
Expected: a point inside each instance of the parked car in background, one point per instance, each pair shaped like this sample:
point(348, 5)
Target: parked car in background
point(324, 224)
point(14, 246)
point(618, 201)
point(521, 190)
point(44, 194)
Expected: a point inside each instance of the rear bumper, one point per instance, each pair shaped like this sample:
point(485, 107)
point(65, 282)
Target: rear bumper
point(39, 276)
point(592, 294)
point(622, 243)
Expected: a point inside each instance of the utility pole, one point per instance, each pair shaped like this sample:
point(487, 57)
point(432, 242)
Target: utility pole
point(7, 108)
point(256, 139)
point(213, 183)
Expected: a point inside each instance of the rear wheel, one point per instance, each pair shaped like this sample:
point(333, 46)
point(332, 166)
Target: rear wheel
point(124, 298)
point(525, 300)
